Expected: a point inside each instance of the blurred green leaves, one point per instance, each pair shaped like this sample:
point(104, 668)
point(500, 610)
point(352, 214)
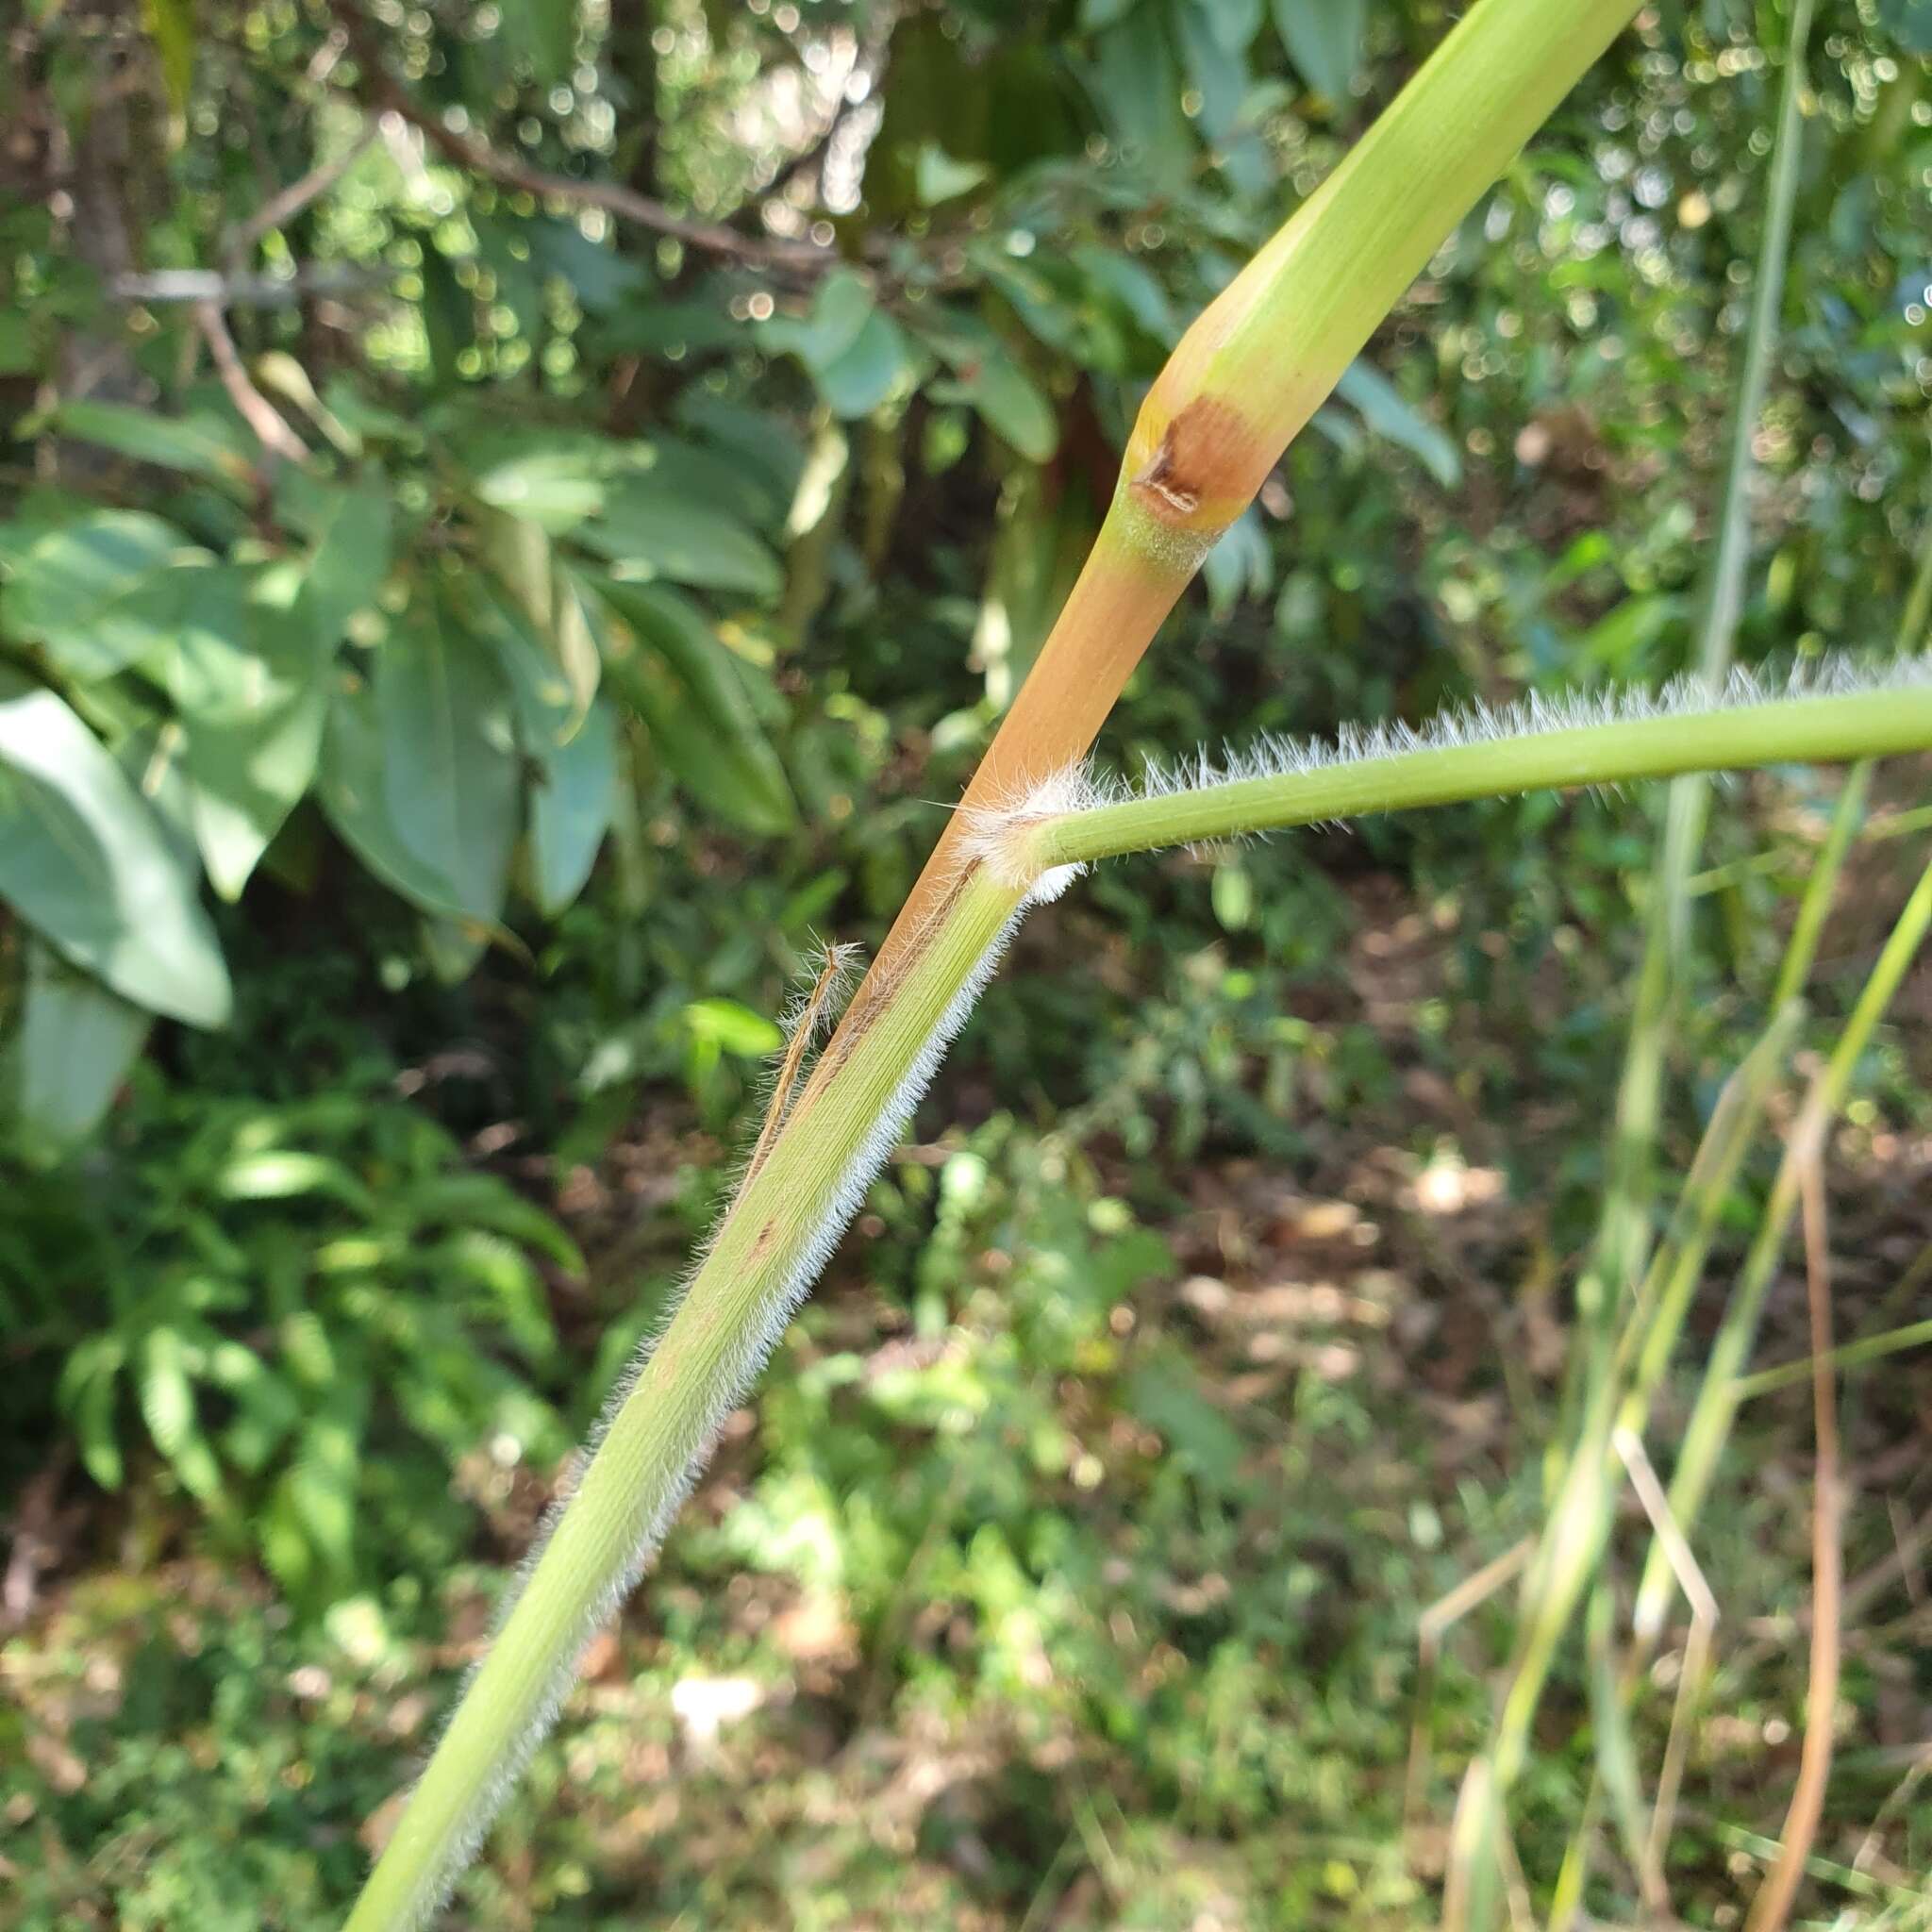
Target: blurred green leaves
point(393, 1300)
point(83, 860)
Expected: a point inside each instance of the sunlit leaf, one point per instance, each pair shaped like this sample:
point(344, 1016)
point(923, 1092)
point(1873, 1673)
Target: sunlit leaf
point(83, 859)
point(449, 771)
point(202, 445)
point(75, 1044)
point(647, 530)
point(88, 589)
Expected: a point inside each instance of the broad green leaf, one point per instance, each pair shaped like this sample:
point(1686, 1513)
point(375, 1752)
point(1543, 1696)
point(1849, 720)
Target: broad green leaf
point(691, 693)
point(83, 860)
point(571, 806)
point(88, 589)
point(842, 306)
point(202, 445)
point(75, 1044)
point(355, 803)
point(1009, 400)
point(540, 693)
point(1381, 407)
point(986, 376)
point(600, 279)
point(1137, 86)
point(539, 634)
point(1323, 38)
point(449, 770)
point(1216, 71)
point(647, 530)
point(1235, 22)
point(350, 560)
point(877, 365)
point(246, 681)
point(551, 487)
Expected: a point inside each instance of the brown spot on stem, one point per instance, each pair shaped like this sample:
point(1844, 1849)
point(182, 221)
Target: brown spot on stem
point(1202, 461)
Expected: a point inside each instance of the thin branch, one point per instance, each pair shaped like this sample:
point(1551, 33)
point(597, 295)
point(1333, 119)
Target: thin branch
point(275, 437)
point(626, 203)
point(244, 290)
point(1692, 1672)
point(1440, 1616)
point(279, 211)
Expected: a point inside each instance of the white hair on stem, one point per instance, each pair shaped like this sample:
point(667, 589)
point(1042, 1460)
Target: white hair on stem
point(997, 833)
point(657, 1510)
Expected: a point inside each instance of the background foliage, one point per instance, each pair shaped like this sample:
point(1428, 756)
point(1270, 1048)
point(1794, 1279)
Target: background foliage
point(513, 518)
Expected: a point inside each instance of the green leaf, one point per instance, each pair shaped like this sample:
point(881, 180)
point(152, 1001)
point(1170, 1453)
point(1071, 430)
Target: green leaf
point(1909, 22)
point(1381, 407)
point(84, 860)
point(1235, 23)
point(75, 1044)
point(357, 805)
point(170, 25)
point(320, 1488)
point(94, 1405)
point(449, 771)
point(245, 679)
point(1168, 1398)
point(938, 176)
point(691, 695)
point(571, 809)
point(281, 1174)
point(1136, 87)
point(986, 376)
point(87, 589)
point(202, 445)
point(17, 356)
point(538, 634)
point(1009, 400)
point(839, 311)
point(544, 33)
point(350, 560)
point(1240, 565)
point(1323, 38)
point(734, 1028)
point(553, 489)
point(167, 1396)
point(647, 530)
point(1216, 71)
point(599, 277)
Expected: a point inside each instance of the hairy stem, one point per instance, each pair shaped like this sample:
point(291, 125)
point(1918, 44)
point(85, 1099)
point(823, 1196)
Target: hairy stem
point(1822, 729)
point(768, 1250)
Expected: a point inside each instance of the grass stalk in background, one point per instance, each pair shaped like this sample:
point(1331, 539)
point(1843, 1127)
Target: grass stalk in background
point(1618, 1258)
